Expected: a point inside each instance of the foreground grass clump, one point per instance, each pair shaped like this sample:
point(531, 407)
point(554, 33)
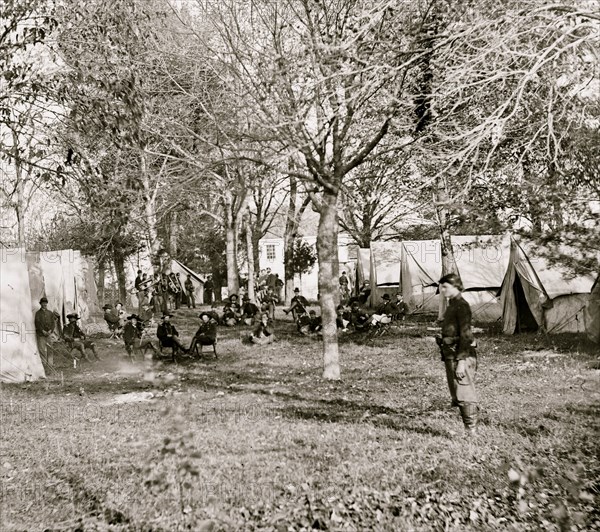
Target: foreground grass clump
point(257, 441)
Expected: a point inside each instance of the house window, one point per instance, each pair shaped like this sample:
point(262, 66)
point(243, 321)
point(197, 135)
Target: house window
point(271, 252)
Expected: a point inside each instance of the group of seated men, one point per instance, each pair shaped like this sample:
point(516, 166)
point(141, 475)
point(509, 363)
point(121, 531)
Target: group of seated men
point(357, 318)
point(137, 336)
point(247, 312)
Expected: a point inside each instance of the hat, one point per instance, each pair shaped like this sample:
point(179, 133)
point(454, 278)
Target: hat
point(44, 300)
point(233, 295)
point(134, 317)
point(105, 307)
point(73, 315)
point(246, 297)
point(296, 289)
point(167, 316)
point(204, 314)
point(386, 297)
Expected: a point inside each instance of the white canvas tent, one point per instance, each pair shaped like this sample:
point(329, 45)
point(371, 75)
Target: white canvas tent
point(19, 357)
point(384, 270)
point(421, 269)
point(363, 267)
point(66, 278)
point(536, 295)
point(482, 262)
point(184, 271)
point(592, 313)
point(143, 263)
point(87, 293)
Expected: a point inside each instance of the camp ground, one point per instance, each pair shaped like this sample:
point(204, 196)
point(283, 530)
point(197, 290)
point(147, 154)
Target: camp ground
point(537, 295)
point(19, 358)
point(384, 270)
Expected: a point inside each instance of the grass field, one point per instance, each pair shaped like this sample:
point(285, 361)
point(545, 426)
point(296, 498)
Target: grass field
point(256, 440)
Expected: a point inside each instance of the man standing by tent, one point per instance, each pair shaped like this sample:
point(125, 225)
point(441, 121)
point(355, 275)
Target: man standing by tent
point(45, 321)
point(189, 290)
point(208, 290)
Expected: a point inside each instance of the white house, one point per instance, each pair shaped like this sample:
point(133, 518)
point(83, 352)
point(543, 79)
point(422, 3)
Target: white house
point(271, 254)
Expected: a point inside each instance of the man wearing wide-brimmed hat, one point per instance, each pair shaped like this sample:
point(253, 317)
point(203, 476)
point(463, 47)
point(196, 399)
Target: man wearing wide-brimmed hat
point(77, 339)
point(45, 322)
point(167, 333)
point(250, 311)
point(206, 333)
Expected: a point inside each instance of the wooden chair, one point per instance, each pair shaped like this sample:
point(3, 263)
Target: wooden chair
point(172, 346)
point(196, 343)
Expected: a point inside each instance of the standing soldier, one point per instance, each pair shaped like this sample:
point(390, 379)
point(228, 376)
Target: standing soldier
point(344, 283)
point(208, 290)
point(189, 290)
point(458, 351)
point(178, 289)
point(45, 321)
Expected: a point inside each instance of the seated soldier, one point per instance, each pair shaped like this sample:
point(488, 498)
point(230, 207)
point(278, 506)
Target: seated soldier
point(364, 293)
point(112, 320)
point(358, 317)
point(268, 302)
point(343, 317)
point(232, 312)
point(400, 308)
point(264, 333)
point(206, 333)
point(316, 322)
point(167, 334)
point(120, 313)
point(384, 312)
point(132, 335)
point(76, 338)
point(250, 311)
point(298, 304)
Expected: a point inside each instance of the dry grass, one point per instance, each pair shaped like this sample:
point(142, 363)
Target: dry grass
point(257, 440)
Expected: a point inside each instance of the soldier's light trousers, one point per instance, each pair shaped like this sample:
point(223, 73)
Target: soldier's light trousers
point(462, 390)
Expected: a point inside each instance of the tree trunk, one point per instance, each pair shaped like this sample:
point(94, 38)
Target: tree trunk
point(119, 262)
point(327, 249)
point(19, 204)
point(101, 282)
point(250, 253)
point(448, 261)
point(154, 243)
point(233, 286)
point(173, 233)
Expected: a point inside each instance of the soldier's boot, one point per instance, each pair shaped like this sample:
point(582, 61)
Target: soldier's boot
point(469, 413)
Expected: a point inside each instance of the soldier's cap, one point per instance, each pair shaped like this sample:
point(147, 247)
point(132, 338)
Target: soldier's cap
point(246, 297)
point(167, 316)
point(44, 300)
point(386, 297)
point(134, 317)
point(312, 312)
point(296, 289)
point(105, 307)
point(73, 316)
